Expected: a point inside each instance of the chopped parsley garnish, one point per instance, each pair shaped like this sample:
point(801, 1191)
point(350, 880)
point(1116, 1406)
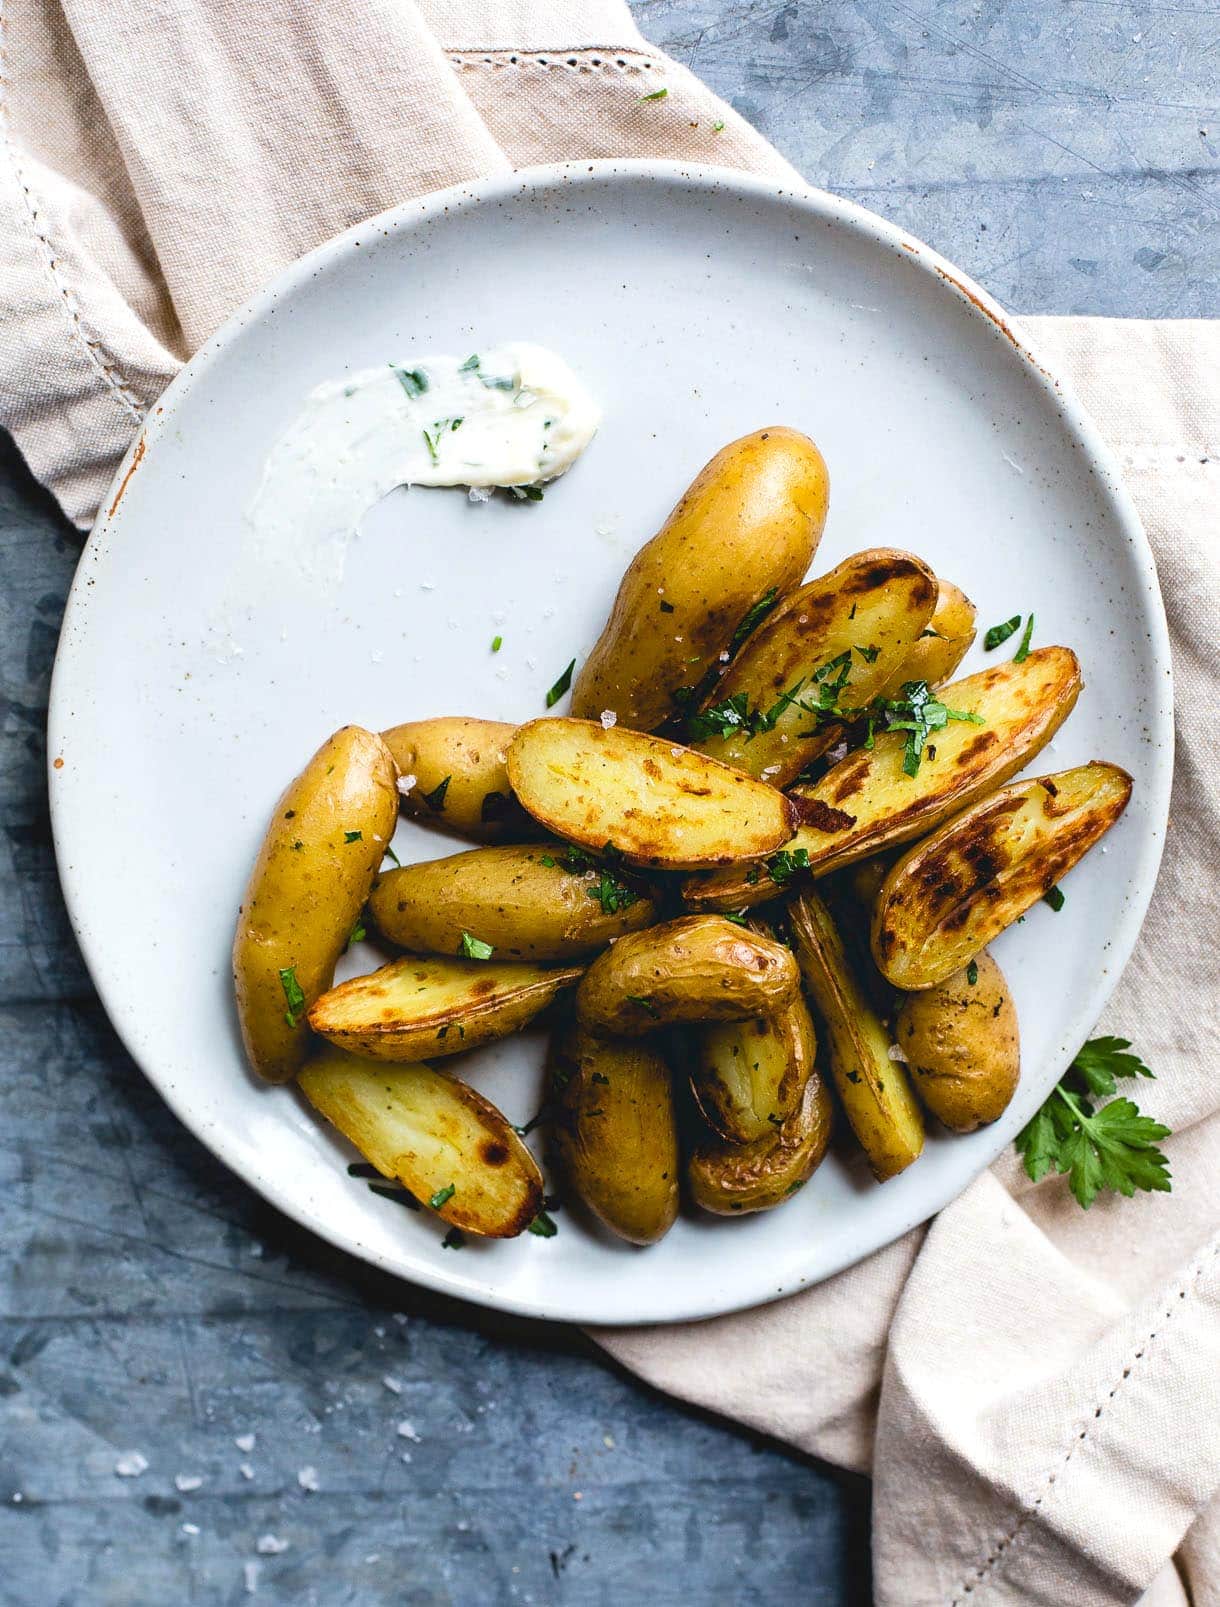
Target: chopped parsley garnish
point(495, 806)
point(610, 891)
point(1054, 897)
point(718, 126)
point(390, 854)
point(543, 1226)
point(753, 618)
point(737, 917)
point(918, 713)
point(353, 836)
point(666, 608)
point(657, 94)
point(474, 948)
point(430, 443)
point(453, 1240)
point(644, 1004)
point(357, 934)
point(999, 634)
point(413, 380)
point(869, 654)
point(612, 894)
point(722, 719)
point(1110, 1146)
point(435, 799)
point(293, 995)
point(470, 365)
point(526, 493)
point(782, 867)
point(497, 642)
point(442, 1196)
point(560, 686)
point(540, 1116)
point(1022, 652)
point(972, 972)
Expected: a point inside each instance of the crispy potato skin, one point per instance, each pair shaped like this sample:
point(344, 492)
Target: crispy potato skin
point(661, 805)
point(615, 1135)
point(867, 803)
point(934, 658)
point(875, 1090)
point(307, 887)
point(957, 889)
point(697, 968)
point(747, 1076)
point(430, 1131)
point(477, 803)
point(732, 1179)
point(506, 897)
point(749, 523)
point(879, 600)
point(426, 1007)
point(962, 1046)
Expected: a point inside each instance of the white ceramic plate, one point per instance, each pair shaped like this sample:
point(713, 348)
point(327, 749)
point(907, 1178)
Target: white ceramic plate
point(192, 680)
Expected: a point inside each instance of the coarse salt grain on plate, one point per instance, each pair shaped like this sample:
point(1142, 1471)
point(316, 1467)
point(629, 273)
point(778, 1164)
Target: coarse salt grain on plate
point(131, 1464)
point(307, 1478)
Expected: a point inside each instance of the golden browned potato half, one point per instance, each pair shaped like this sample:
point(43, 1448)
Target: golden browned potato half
point(658, 804)
point(697, 968)
point(745, 531)
point(312, 875)
point(842, 637)
point(962, 1045)
point(521, 900)
point(460, 781)
point(735, 1178)
point(957, 889)
point(867, 802)
point(450, 1147)
point(615, 1136)
point(748, 1076)
point(426, 1006)
point(875, 1090)
point(943, 643)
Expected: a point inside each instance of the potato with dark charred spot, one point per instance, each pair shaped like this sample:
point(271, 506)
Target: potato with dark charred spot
point(697, 968)
point(615, 1136)
point(955, 891)
point(458, 780)
point(962, 1045)
point(837, 641)
point(943, 643)
point(327, 836)
point(747, 1076)
point(745, 532)
point(732, 1179)
point(446, 1144)
point(532, 902)
point(425, 1006)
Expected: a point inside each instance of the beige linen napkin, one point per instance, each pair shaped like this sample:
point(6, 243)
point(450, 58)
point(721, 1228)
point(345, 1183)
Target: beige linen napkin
point(1035, 1390)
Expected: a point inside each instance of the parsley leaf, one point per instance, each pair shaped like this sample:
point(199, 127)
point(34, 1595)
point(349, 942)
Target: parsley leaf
point(497, 642)
point(722, 719)
point(560, 686)
point(353, 836)
point(442, 1197)
point(972, 972)
point(1022, 652)
point(917, 713)
point(413, 380)
point(718, 127)
point(657, 94)
point(474, 948)
point(644, 1004)
point(782, 867)
point(453, 1240)
point(753, 618)
point(1054, 897)
point(435, 799)
point(1111, 1147)
point(470, 365)
point(293, 995)
point(544, 1226)
point(1000, 633)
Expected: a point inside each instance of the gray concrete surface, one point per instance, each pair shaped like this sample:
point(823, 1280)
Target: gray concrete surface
point(1062, 151)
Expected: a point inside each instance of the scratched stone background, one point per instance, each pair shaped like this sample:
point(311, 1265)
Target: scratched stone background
point(1065, 153)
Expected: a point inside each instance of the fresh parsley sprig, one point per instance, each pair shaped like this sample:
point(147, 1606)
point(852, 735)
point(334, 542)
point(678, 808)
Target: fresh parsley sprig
point(917, 712)
point(1112, 1146)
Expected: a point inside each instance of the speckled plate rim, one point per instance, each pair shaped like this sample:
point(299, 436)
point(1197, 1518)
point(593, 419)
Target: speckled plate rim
point(1078, 428)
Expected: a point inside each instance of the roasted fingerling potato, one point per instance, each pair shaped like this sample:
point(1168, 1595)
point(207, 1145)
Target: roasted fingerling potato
point(743, 534)
point(747, 1077)
point(951, 894)
point(872, 1085)
point(327, 836)
point(944, 641)
point(657, 804)
point(424, 1006)
point(962, 1045)
point(446, 1144)
point(696, 968)
point(452, 775)
point(731, 1179)
point(834, 643)
point(614, 1137)
point(536, 902)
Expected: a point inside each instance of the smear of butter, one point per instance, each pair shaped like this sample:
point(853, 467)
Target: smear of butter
point(513, 416)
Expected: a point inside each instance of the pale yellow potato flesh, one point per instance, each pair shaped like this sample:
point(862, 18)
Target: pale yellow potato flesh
point(327, 836)
point(697, 968)
point(871, 607)
point(433, 1134)
point(733, 1179)
point(658, 804)
point(944, 642)
point(518, 898)
point(747, 1076)
point(425, 1006)
point(874, 1089)
point(963, 1046)
point(867, 803)
point(461, 783)
point(747, 527)
point(953, 892)
point(615, 1136)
